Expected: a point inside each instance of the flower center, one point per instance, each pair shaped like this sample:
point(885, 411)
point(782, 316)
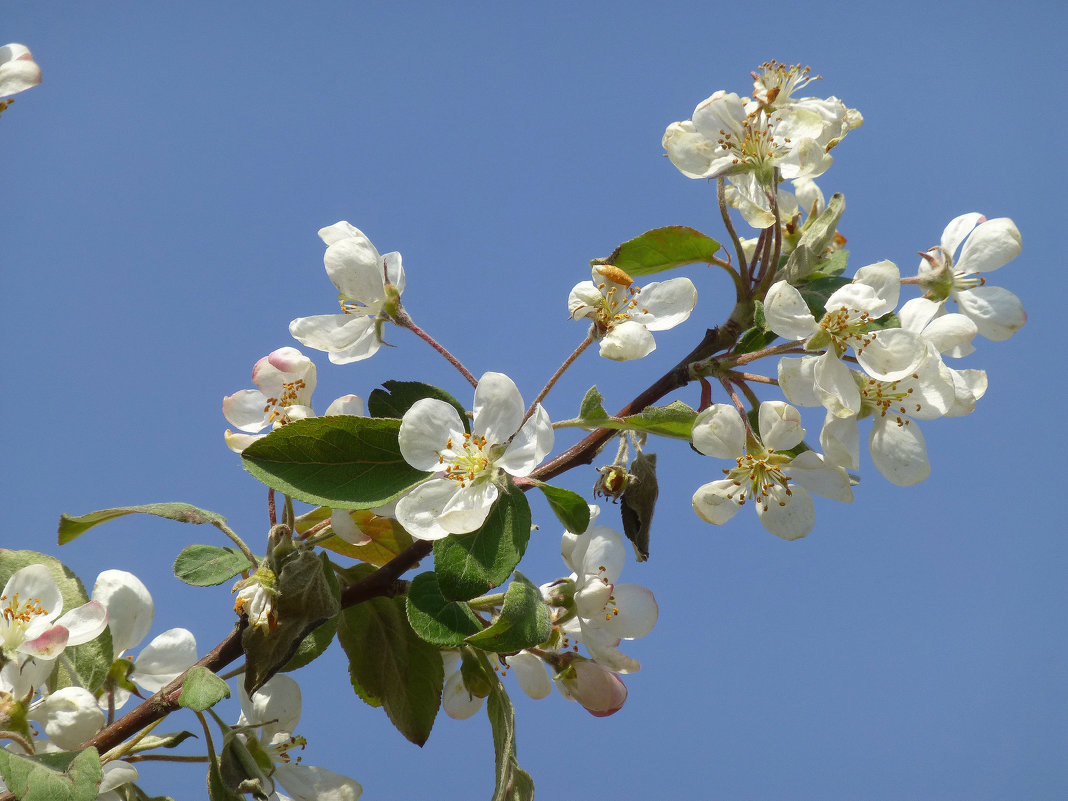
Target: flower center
point(275, 407)
point(756, 147)
point(15, 616)
point(846, 327)
point(611, 608)
point(281, 750)
point(777, 81)
point(756, 476)
point(467, 461)
point(888, 397)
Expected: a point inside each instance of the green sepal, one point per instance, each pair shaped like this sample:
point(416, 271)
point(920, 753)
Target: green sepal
point(202, 689)
point(60, 776)
point(524, 620)
point(435, 618)
point(638, 502)
point(569, 507)
point(208, 565)
point(391, 666)
point(71, 527)
point(469, 565)
point(399, 396)
point(661, 249)
point(341, 461)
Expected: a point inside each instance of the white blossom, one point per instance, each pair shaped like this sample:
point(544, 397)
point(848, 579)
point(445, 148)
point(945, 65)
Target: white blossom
point(18, 70)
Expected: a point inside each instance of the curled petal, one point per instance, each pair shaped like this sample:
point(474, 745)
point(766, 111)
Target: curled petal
point(69, 716)
point(714, 502)
point(458, 702)
point(790, 517)
point(468, 508)
point(797, 380)
point(246, 410)
point(665, 304)
point(345, 527)
point(275, 706)
point(18, 70)
point(899, 451)
point(531, 674)
point(346, 404)
point(425, 430)
point(85, 622)
point(627, 341)
point(993, 244)
point(164, 659)
point(719, 431)
point(129, 605)
point(892, 355)
point(958, 228)
point(835, 386)
point(996, 311)
point(787, 313)
point(419, 511)
point(780, 425)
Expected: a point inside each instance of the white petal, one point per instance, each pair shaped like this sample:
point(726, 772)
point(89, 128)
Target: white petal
point(394, 269)
point(797, 382)
point(116, 774)
point(899, 451)
point(951, 333)
point(893, 354)
point(815, 474)
point(84, 623)
point(312, 783)
point(498, 408)
point(665, 304)
point(345, 527)
point(336, 333)
point(584, 301)
point(786, 312)
point(996, 311)
point(129, 605)
point(238, 442)
point(840, 440)
point(468, 508)
point(69, 716)
point(992, 244)
point(714, 502)
point(425, 430)
point(788, 516)
point(780, 425)
point(885, 279)
point(968, 387)
point(338, 231)
point(530, 673)
point(915, 314)
point(626, 341)
point(719, 431)
point(18, 70)
point(638, 612)
point(355, 268)
point(34, 582)
point(245, 409)
point(835, 386)
point(419, 510)
point(164, 659)
point(604, 555)
point(958, 228)
point(457, 700)
point(275, 706)
point(346, 404)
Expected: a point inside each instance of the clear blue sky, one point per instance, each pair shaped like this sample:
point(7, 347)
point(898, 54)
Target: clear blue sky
point(163, 189)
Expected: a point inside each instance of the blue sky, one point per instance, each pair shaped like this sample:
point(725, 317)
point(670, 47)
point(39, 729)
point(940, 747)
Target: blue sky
point(164, 186)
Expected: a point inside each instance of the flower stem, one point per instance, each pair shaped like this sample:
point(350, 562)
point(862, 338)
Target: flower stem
point(404, 320)
point(225, 529)
point(556, 376)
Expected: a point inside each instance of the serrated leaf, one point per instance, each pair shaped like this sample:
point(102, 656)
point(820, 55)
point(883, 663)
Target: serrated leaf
point(662, 249)
point(569, 507)
point(208, 565)
point(591, 404)
point(62, 776)
point(434, 617)
point(71, 527)
point(389, 662)
point(342, 461)
point(524, 620)
point(399, 396)
point(312, 646)
point(84, 665)
point(202, 689)
point(638, 503)
point(469, 565)
point(512, 783)
point(305, 600)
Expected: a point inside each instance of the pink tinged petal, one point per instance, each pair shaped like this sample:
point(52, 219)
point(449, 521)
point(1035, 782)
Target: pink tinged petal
point(312, 783)
point(418, 511)
point(530, 673)
point(719, 431)
point(899, 451)
point(69, 716)
point(787, 314)
point(275, 706)
point(355, 268)
point(164, 659)
point(601, 692)
point(469, 507)
point(958, 228)
point(893, 354)
point(498, 408)
point(425, 430)
point(346, 404)
point(815, 474)
point(457, 700)
point(245, 409)
point(840, 440)
point(835, 386)
point(790, 517)
point(85, 623)
point(993, 244)
point(34, 583)
point(638, 612)
point(996, 311)
point(345, 527)
point(780, 425)
point(714, 502)
point(47, 645)
point(238, 442)
point(627, 341)
point(885, 279)
point(18, 70)
point(797, 380)
point(665, 304)
point(291, 360)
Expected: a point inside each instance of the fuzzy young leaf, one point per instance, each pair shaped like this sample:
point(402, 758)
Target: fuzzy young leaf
point(523, 623)
point(62, 776)
point(342, 461)
point(662, 249)
point(208, 565)
point(71, 527)
point(399, 396)
point(569, 507)
point(202, 689)
point(469, 565)
point(591, 405)
point(638, 502)
point(434, 617)
point(390, 665)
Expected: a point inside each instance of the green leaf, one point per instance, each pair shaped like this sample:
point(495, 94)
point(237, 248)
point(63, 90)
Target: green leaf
point(591, 404)
point(817, 237)
point(207, 565)
point(434, 617)
point(341, 461)
point(399, 396)
point(154, 741)
point(469, 565)
point(816, 292)
point(638, 502)
point(569, 507)
point(202, 689)
point(523, 623)
point(756, 338)
point(305, 600)
point(513, 783)
point(85, 665)
point(71, 527)
point(888, 320)
point(662, 249)
point(674, 420)
point(62, 776)
point(312, 646)
point(391, 664)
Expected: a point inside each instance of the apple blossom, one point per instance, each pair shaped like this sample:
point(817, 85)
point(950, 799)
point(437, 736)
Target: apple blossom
point(600, 691)
point(622, 314)
point(359, 272)
point(460, 703)
point(432, 438)
point(988, 245)
point(274, 710)
point(763, 473)
point(18, 70)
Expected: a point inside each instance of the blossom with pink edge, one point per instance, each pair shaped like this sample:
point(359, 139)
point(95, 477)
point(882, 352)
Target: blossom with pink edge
point(18, 70)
